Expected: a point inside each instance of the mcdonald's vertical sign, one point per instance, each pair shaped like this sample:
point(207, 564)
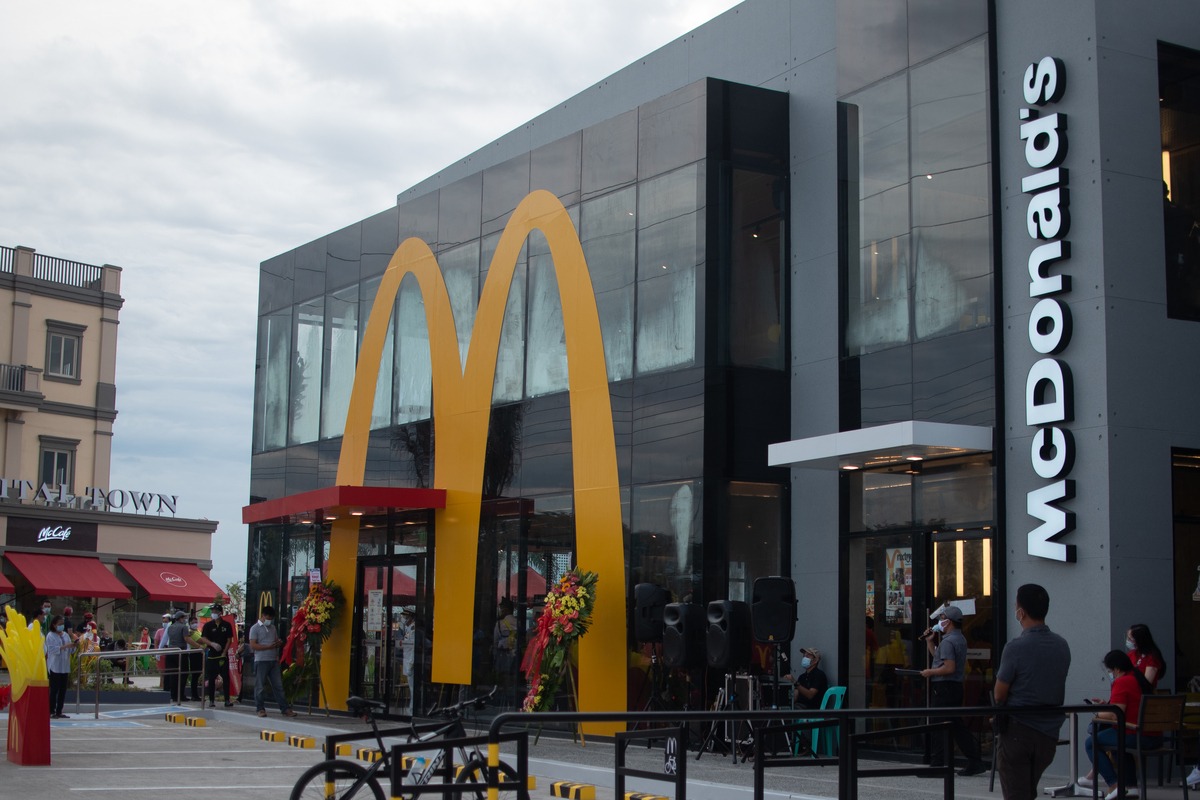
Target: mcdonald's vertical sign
point(462, 396)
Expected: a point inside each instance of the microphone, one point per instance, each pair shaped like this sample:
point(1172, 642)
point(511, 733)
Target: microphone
point(928, 632)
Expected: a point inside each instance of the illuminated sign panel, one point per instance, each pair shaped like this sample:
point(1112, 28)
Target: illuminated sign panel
point(462, 397)
point(1049, 393)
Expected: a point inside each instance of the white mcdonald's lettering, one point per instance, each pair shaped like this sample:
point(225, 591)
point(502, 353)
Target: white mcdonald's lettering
point(461, 410)
point(1049, 391)
point(57, 533)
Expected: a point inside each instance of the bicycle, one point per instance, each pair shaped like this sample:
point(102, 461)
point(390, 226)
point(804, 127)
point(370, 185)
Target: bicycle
point(341, 779)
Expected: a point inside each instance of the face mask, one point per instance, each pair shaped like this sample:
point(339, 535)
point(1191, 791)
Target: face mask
point(805, 662)
point(267, 622)
point(944, 625)
point(1129, 645)
point(60, 628)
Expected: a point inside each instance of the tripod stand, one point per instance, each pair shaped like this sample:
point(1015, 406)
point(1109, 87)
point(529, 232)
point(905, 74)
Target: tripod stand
point(656, 687)
point(727, 700)
point(777, 656)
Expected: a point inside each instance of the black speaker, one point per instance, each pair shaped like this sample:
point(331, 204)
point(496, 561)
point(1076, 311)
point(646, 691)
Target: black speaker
point(728, 638)
point(683, 635)
point(649, 600)
point(774, 609)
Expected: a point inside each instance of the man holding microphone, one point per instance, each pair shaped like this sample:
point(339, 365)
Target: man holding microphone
point(948, 647)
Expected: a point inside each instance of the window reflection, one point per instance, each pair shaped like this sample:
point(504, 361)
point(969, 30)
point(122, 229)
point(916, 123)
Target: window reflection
point(919, 152)
point(413, 373)
point(271, 408)
point(664, 539)
point(341, 351)
point(306, 371)
point(1179, 88)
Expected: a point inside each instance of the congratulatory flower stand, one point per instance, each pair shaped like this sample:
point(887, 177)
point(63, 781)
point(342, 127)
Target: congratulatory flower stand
point(566, 618)
point(301, 656)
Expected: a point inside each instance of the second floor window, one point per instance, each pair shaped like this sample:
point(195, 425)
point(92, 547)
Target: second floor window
point(57, 466)
point(63, 345)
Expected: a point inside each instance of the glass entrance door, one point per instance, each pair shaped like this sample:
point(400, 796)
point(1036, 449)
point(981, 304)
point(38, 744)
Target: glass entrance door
point(392, 645)
point(897, 581)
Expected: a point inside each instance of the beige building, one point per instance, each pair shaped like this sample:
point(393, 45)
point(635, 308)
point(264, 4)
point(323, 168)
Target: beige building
point(65, 532)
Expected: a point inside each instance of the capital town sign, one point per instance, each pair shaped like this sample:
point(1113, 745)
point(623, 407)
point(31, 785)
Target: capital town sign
point(93, 498)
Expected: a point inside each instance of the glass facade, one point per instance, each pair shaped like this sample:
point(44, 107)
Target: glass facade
point(919, 308)
point(1179, 116)
point(681, 215)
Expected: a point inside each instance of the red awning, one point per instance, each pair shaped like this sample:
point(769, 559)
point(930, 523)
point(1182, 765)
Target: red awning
point(333, 502)
point(6, 586)
point(166, 580)
point(404, 587)
point(69, 576)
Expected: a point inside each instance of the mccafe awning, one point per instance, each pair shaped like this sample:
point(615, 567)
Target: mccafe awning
point(173, 582)
point(6, 586)
point(69, 576)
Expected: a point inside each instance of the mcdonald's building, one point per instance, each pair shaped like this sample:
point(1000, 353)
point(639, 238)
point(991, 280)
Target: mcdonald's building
point(827, 291)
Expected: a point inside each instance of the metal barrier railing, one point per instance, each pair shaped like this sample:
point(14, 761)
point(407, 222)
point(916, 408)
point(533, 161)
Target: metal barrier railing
point(848, 769)
point(128, 655)
point(674, 759)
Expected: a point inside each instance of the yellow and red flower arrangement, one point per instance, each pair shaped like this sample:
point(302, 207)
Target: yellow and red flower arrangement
point(566, 617)
point(311, 626)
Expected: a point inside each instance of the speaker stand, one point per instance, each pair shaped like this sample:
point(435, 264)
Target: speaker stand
point(714, 738)
point(656, 686)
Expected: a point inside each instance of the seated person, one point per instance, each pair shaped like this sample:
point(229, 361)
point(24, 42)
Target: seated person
point(1128, 686)
point(811, 682)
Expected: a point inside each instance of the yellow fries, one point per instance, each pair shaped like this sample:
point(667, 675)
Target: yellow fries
point(24, 652)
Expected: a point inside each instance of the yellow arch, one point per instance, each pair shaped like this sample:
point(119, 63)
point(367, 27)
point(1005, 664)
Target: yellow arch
point(462, 398)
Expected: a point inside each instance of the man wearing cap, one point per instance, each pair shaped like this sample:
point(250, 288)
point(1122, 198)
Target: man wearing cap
point(948, 647)
point(811, 683)
point(216, 635)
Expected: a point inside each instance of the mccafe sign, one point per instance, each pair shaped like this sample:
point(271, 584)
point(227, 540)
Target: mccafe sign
point(46, 534)
point(92, 499)
point(1049, 394)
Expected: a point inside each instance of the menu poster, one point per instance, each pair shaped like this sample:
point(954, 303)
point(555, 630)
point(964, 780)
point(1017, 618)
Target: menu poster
point(898, 600)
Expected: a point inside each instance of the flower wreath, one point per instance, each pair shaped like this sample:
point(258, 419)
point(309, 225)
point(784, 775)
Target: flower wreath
point(566, 617)
point(312, 623)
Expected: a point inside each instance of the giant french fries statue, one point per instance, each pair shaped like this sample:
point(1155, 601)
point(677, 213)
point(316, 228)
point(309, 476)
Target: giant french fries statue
point(29, 714)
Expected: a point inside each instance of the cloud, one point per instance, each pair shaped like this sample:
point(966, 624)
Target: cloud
point(186, 143)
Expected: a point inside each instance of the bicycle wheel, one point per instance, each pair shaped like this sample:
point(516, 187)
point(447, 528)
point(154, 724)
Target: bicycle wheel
point(336, 780)
point(476, 772)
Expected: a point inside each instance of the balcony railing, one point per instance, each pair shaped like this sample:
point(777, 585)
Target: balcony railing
point(54, 270)
point(71, 273)
point(12, 378)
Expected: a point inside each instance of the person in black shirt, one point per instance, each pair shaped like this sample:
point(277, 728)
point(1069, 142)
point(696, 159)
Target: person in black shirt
point(811, 683)
point(216, 636)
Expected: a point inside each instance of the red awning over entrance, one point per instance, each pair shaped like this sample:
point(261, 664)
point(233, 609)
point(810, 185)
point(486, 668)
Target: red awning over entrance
point(6, 586)
point(164, 580)
point(70, 576)
point(333, 502)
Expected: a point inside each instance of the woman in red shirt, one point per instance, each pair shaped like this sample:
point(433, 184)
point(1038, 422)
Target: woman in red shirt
point(1128, 686)
point(1144, 653)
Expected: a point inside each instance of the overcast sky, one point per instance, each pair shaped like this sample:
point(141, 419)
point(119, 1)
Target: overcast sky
point(187, 142)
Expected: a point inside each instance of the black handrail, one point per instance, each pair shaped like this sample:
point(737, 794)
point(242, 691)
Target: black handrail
point(843, 715)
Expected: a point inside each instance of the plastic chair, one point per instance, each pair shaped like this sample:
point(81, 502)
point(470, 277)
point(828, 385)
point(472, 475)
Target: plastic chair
point(825, 740)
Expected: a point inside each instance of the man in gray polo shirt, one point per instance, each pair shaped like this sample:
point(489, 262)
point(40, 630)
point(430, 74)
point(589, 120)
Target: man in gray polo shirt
point(948, 647)
point(1033, 672)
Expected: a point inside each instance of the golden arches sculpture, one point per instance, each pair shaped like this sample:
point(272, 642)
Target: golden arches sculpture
point(462, 397)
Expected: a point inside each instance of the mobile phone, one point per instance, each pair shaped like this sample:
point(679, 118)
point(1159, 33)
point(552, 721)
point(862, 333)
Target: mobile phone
point(1087, 700)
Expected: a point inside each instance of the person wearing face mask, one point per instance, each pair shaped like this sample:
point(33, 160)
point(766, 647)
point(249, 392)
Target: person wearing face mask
point(39, 622)
point(266, 643)
point(58, 646)
point(45, 618)
point(1148, 660)
point(948, 647)
point(1033, 672)
point(1128, 687)
point(810, 683)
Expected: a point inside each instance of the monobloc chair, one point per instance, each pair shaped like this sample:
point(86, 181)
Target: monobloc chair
point(1159, 715)
point(825, 740)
